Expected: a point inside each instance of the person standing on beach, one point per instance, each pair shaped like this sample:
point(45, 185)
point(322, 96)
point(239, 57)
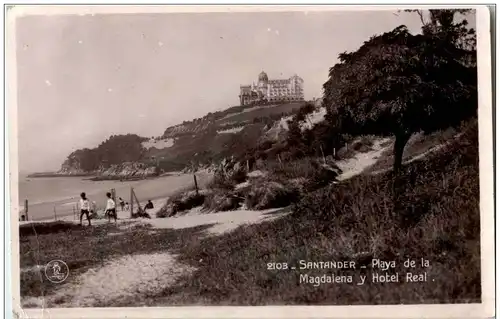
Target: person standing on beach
point(84, 208)
point(110, 208)
point(149, 205)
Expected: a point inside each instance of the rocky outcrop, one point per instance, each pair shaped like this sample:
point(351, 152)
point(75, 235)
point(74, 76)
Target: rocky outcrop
point(124, 171)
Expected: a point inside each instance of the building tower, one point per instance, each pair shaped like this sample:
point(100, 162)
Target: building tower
point(262, 83)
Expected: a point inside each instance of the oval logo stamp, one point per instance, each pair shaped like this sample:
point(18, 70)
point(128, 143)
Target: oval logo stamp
point(56, 271)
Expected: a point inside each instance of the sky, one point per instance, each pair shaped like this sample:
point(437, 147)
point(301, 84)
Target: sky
point(84, 78)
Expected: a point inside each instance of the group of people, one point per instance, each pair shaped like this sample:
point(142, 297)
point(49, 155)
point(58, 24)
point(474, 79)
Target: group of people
point(86, 207)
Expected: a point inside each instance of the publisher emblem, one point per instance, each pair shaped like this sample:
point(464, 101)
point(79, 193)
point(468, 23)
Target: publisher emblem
point(56, 271)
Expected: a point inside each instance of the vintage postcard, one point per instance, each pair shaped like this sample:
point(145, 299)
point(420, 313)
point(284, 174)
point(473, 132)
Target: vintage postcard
point(250, 161)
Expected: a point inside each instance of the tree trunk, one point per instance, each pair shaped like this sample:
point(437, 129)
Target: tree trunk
point(397, 182)
point(195, 183)
point(399, 146)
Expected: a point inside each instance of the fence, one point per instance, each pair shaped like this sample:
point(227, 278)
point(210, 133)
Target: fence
point(72, 210)
point(69, 210)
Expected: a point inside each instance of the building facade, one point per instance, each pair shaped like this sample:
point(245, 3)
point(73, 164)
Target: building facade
point(291, 89)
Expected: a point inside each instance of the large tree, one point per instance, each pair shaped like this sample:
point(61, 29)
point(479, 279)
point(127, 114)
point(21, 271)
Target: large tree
point(398, 83)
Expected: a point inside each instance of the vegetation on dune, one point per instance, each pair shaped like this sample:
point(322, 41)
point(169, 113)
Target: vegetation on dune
point(218, 200)
point(355, 220)
point(265, 194)
point(181, 201)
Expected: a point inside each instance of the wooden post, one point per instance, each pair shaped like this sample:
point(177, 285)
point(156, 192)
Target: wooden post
point(26, 209)
point(323, 154)
point(131, 201)
point(195, 183)
point(334, 152)
point(55, 213)
point(248, 166)
point(279, 159)
point(74, 212)
point(113, 194)
point(137, 200)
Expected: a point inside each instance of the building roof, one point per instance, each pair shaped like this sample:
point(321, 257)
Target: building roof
point(263, 76)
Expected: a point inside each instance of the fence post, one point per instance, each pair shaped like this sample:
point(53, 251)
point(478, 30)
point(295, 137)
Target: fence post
point(131, 201)
point(55, 213)
point(323, 154)
point(139, 208)
point(74, 212)
point(195, 183)
point(26, 209)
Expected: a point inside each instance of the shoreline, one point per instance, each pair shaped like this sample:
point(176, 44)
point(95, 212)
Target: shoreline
point(152, 188)
point(56, 174)
point(97, 178)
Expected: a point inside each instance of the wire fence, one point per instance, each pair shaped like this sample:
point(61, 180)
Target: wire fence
point(72, 210)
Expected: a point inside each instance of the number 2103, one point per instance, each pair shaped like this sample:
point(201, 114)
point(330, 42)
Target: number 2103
point(277, 266)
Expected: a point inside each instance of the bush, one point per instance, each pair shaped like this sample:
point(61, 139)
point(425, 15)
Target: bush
point(180, 202)
point(221, 181)
point(323, 176)
point(269, 194)
point(222, 201)
point(238, 175)
point(312, 172)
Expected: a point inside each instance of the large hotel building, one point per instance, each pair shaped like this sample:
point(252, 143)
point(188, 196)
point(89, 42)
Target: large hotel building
point(272, 90)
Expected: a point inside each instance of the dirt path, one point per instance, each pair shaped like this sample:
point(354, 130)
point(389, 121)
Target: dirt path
point(121, 278)
point(361, 161)
point(130, 275)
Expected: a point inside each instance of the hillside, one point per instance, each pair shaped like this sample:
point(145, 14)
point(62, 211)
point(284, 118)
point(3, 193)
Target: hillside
point(204, 140)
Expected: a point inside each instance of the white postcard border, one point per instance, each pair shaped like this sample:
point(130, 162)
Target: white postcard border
point(483, 310)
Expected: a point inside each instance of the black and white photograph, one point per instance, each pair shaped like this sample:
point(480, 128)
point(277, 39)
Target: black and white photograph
point(251, 156)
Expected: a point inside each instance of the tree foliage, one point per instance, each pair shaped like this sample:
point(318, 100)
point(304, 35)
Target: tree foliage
point(117, 149)
point(398, 83)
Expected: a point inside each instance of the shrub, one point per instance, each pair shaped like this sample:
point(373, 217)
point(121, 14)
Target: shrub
point(222, 201)
point(181, 201)
point(221, 181)
point(312, 172)
point(270, 194)
point(323, 176)
point(238, 175)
